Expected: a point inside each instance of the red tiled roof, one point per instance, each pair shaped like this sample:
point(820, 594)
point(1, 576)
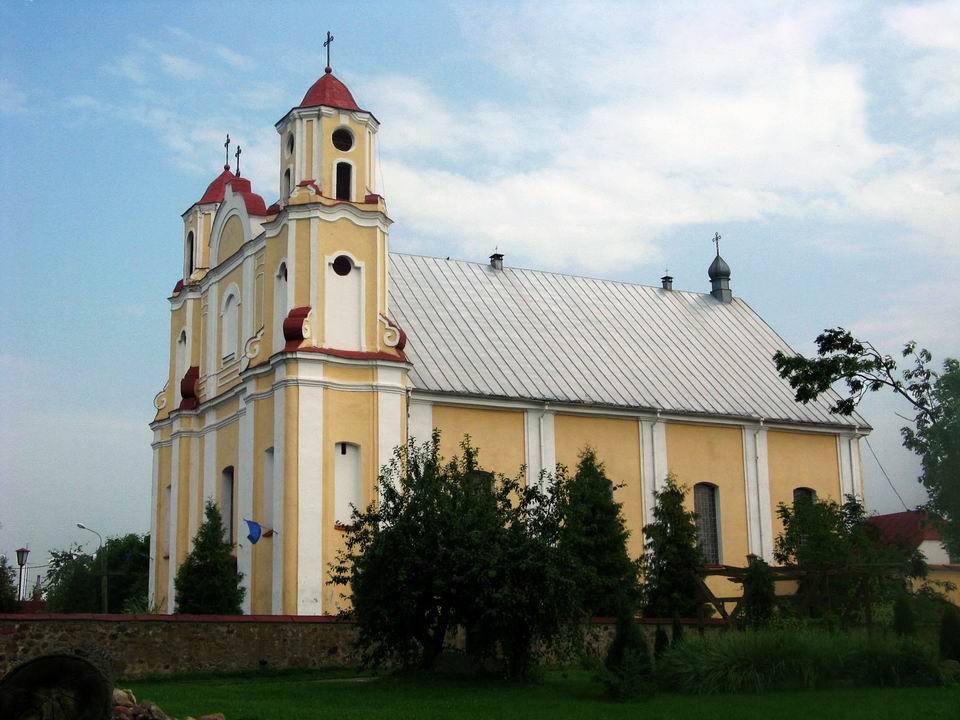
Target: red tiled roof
point(909, 528)
point(330, 92)
point(217, 190)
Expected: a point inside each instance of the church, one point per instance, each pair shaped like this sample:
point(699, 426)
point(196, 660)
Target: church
point(303, 351)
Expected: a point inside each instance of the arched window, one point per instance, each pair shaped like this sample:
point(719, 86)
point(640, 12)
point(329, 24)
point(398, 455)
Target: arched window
point(229, 317)
point(280, 308)
point(347, 486)
point(180, 361)
point(804, 494)
point(706, 503)
point(190, 250)
point(226, 503)
point(344, 180)
point(343, 304)
point(287, 183)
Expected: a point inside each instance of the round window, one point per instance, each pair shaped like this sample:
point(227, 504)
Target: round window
point(342, 265)
point(290, 144)
point(342, 139)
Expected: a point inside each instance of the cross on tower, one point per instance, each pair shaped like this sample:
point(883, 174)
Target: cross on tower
point(326, 44)
point(226, 152)
point(238, 160)
point(716, 241)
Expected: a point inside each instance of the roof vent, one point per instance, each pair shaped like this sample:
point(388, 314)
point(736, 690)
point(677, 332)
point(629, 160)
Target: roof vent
point(496, 261)
point(666, 282)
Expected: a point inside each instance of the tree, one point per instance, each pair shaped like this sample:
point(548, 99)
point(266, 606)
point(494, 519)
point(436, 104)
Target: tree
point(672, 561)
point(449, 545)
point(934, 397)
point(826, 539)
point(627, 670)
point(759, 594)
point(208, 582)
point(73, 577)
point(9, 602)
point(903, 620)
point(950, 633)
point(594, 536)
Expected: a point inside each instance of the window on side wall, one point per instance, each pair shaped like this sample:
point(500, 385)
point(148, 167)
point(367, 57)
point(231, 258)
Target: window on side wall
point(706, 505)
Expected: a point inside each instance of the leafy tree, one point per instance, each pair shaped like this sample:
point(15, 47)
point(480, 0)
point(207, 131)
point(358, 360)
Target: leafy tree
point(661, 642)
point(448, 545)
point(9, 602)
point(950, 634)
point(759, 594)
point(672, 561)
point(825, 538)
point(208, 582)
point(935, 398)
point(73, 577)
point(594, 536)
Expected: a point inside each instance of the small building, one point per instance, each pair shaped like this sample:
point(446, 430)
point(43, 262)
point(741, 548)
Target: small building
point(303, 351)
point(912, 530)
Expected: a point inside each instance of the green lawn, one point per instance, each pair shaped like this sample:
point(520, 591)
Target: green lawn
point(328, 695)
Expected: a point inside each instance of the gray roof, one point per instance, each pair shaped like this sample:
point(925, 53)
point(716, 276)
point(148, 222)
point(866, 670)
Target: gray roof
point(528, 334)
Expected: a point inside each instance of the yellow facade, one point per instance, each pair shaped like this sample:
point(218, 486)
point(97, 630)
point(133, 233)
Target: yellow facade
point(801, 460)
point(498, 434)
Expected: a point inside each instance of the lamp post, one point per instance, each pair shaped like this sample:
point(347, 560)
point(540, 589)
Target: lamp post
point(21, 561)
point(103, 566)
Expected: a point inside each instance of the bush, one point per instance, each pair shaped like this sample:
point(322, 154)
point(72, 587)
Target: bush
point(903, 620)
point(759, 594)
point(626, 674)
point(950, 634)
point(772, 660)
point(661, 642)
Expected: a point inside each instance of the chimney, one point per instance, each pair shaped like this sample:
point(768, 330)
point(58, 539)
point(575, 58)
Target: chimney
point(496, 261)
point(666, 282)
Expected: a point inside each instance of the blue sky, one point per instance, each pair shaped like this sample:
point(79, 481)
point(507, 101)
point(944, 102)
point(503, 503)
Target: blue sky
point(822, 140)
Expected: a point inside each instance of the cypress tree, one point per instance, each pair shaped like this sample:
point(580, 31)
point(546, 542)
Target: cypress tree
point(661, 642)
point(9, 602)
point(903, 622)
point(672, 559)
point(759, 594)
point(594, 537)
point(208, 582)
point(950, 634)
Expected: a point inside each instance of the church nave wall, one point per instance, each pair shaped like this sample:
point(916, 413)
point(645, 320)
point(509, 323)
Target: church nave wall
point(497, 434)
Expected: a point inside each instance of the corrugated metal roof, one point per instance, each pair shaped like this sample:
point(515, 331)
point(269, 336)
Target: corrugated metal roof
point(529, 334)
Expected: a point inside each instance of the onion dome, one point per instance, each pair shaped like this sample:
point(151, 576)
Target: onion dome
point(330, 92)
point(240, 186)
point(719, 269)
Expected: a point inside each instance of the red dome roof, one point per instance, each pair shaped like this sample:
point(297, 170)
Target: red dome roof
point(241, 186)
point(330, 92)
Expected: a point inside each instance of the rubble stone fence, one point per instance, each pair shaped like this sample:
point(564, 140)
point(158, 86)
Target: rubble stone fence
point(137, 646)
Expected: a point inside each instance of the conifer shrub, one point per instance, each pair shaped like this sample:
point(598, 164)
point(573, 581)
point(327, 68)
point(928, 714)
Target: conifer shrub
point(800, 658)
point(627, 671)
point(950, 634)
point(904, 623)
point(661, 642)
point(208, 582)
point(9, 602)
point(759, 594)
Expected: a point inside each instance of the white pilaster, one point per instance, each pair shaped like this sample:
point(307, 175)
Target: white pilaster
point(653, 463)
point(291, 264)
point(154, 545)
point(245, 461)
point(389, 415)
point(856, 466)
point(314, 269)
point(213, 320)
point(278, 485)
point(843, 461)
point(541, 446)
point(310, 444)
point(419, 420)
point(317, 175)
point(210, 470)
point(193, 511)
point(757, 487)
point(172, 516)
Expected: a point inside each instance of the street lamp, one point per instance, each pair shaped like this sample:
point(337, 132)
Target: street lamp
point(103, 566)
point(21, 561)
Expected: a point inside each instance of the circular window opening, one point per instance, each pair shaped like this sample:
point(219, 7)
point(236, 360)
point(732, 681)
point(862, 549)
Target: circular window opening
point(342, 265)
point(290, 144)
point(342, 139)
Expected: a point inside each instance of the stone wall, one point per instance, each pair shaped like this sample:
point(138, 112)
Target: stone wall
point(141, 645)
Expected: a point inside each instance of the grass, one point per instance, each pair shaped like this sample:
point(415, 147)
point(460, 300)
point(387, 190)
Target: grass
point(560, 695)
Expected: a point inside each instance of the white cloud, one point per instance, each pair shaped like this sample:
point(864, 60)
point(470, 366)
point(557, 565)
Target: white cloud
point(181, 67)
point(928, 25)
point(128, 67)
point(13, 100)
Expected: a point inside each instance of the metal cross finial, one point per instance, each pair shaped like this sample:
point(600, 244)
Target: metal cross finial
point(716, 241)
point(226, 150)
point(238, 160)
point(326, 44)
